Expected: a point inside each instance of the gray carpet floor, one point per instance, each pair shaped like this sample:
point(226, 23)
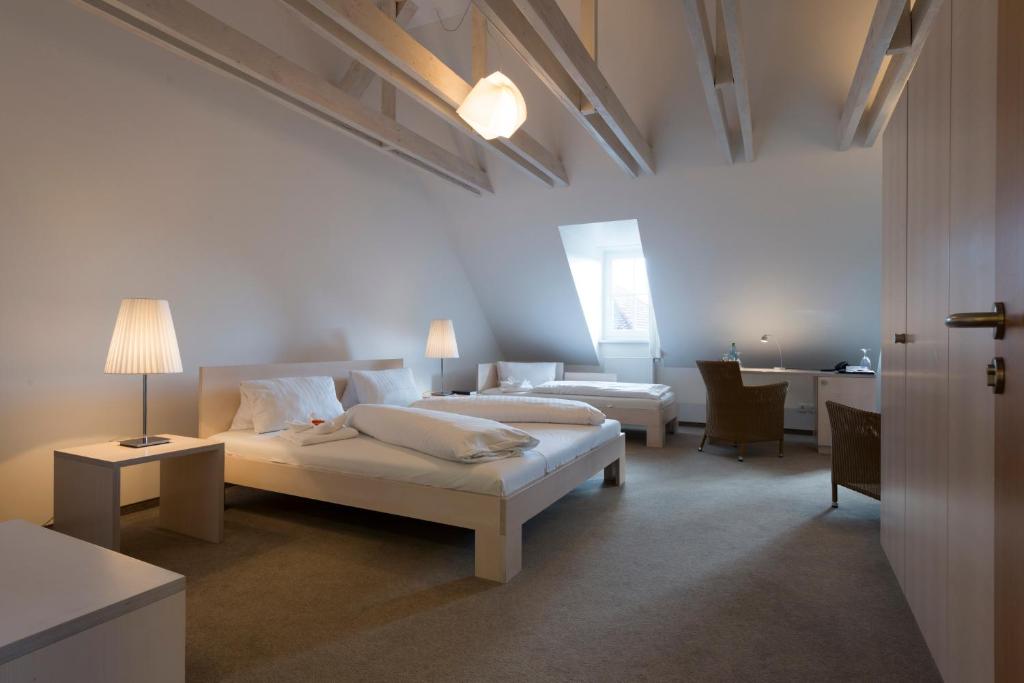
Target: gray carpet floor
point(701, 568)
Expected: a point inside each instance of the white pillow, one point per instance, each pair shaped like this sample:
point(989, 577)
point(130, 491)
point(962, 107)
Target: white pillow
point(275, 402)
point(534, 373)
point(395, 387)
point(243, 416)
point(349, 397)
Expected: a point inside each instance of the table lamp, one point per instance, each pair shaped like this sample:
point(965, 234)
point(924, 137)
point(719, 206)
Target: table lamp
point(144, 344)
point(764, 340)
point(441, 344)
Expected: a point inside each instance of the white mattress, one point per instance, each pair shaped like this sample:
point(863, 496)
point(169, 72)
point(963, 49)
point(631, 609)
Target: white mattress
point(367, 457)
point(598, 402)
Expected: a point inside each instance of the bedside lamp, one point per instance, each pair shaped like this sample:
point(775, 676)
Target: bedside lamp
point(764, 340)
point(441, 344)
point(144, 344)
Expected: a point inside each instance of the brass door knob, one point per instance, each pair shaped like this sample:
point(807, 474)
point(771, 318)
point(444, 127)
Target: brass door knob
point(996, 319)
point(899, 338)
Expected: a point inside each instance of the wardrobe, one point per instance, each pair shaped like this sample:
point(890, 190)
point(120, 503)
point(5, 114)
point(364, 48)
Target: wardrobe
point(939, 200)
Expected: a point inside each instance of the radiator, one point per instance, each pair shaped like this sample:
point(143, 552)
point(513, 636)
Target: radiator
point(630, 369)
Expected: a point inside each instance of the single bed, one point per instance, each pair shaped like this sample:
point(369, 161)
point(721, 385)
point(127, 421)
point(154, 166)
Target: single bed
point(494, 498)
point(655, 415)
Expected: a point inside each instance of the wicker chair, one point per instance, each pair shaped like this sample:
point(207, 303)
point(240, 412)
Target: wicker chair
point(856, 451)
point(740, 414)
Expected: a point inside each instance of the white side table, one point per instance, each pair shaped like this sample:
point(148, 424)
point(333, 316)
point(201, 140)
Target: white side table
point(87, 488)
point(72, 611)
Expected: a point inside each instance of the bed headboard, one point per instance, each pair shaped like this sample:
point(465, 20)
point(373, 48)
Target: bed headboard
point(487, 375)
point(218, 386)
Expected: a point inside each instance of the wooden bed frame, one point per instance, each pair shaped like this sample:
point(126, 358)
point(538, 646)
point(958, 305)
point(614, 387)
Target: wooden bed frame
point(654, 421)
point(496, 520)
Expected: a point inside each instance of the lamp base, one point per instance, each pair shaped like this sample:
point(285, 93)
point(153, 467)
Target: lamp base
point(144, 441)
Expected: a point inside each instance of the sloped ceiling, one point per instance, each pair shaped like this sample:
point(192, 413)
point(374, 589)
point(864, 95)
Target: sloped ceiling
point(789, 244)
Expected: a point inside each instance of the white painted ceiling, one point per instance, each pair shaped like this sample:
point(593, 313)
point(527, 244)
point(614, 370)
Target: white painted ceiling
point(450, 12)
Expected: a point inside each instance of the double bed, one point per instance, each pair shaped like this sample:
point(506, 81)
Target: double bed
point(492, 498)
point(629, 404)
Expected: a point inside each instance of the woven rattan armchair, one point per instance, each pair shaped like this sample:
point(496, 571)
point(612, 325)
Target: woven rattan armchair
point(737, 413)
point(856, 450)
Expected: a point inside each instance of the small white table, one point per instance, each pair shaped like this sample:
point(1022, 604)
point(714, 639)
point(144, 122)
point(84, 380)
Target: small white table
point(72, 611)
point(87, 488)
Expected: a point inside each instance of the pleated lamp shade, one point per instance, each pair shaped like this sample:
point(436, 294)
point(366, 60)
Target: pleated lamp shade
point(441, 340)
point(144, 342)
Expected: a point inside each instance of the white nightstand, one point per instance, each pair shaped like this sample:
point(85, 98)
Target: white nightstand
point(87, 488)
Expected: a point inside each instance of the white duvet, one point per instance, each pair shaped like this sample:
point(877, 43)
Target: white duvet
point(460, 438)
point(504, 408)
point(608, 389)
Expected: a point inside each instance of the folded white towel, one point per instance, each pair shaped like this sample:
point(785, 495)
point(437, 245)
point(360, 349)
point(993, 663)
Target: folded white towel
point(307, 433)
point(308, 437)
point(513, 385)
point(325, 427)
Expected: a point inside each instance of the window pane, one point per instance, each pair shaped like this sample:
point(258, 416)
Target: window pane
point(630, 298)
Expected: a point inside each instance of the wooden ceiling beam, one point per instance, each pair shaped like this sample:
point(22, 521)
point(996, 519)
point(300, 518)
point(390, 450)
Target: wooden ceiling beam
point(363, 31)
point(187, 30)
point(506, 17)
point(903, 35)
point(588, 34)
point(704, 51)
point(560, 37)
point(358, 78)
point(388, 93)
point(478, 67)
point(723, 61)
point(880, 34)
point(922, 19)
point(738, 69)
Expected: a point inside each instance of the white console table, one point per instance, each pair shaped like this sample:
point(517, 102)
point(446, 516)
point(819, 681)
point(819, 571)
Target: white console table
point(857, 390)
point(73, 611)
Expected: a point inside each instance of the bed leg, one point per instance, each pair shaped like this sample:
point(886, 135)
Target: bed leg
point(499, 556)
point(615, 473)
point(656, 435)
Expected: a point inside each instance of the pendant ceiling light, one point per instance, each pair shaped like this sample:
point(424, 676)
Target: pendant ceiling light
point(494, 107)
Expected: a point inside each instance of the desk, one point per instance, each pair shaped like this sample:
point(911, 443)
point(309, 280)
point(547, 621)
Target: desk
point(854, 389)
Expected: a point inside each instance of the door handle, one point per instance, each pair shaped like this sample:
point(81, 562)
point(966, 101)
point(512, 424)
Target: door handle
point(900, 338)
point(996, 319)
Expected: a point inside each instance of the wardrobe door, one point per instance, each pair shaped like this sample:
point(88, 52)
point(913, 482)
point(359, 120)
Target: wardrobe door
point(972, 288)
point(894, 322)
point(928, 174)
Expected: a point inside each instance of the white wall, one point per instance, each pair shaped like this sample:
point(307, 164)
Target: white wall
point(129, 171)
point(789, 244)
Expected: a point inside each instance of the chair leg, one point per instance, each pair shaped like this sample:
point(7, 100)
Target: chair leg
point(835, 496)
point(743, 450)
point(780, 448)
point(702, 440)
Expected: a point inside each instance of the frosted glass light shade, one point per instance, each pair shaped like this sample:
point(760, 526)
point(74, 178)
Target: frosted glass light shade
point(143, 342)
point(441, 340)
point(494, 107)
